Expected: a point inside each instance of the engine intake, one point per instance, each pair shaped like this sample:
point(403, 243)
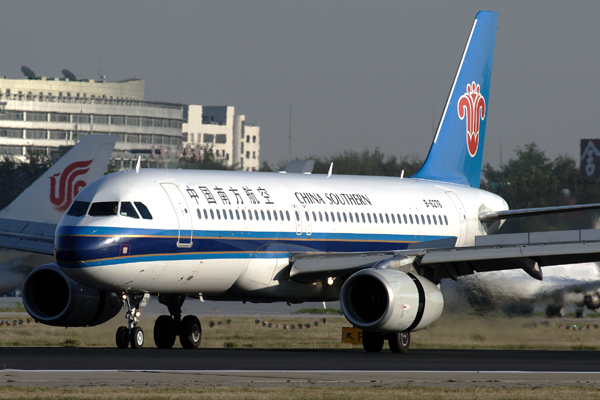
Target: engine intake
point(387, 300)
point(52, 298)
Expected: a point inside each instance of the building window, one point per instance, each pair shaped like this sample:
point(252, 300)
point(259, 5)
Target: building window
point(242, 149)
point(12, 116)
point(11, 133)
point(36, 134)
point(57, 135)
point(146, 121)
point(81, 118)
point(209, 138)
point(37, 116)
point(11, 150)
point(184, 136)
point(101, 119)
point(133, 121)
point(117, 120)
point(59, 117)
point(254, 139)
point(247, 154)
point(221, 138)
point(133, 138)
point(146, 138)
point(247, 139)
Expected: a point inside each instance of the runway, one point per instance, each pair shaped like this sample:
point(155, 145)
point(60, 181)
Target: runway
point(76, 367)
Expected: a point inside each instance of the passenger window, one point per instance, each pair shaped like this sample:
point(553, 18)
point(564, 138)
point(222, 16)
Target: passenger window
point(199, 214)
point(445, 220)
point(338, 216)
point(306, 213)
point(104, 209)
point(387, 218)
point(411, 219)
point(350, 215)
point(399, 219)
point(269, 214)
point(231, 215)
point(262, 214)
point(357, 219)
point(320, 216)
point(422, 219)
point(275, 215)
point(218, 214)
point(78, 209)
point(249, 215)
point(374, 217)
point(256, 214)
point(332, 217)
point(287, 214)
point(244, 215)
point(345, 219)
point(393, 218)
point(297, 216)
point(326, 216)
point(428, 220)
point(314, 216)
point(434, 220)
point(405, 221)
point(205, 214)
point(363, 217)
point(237, 215)
point(417, 219)
point(127, 210)
point(381, 218)
point(440, 219)
point(369, 217)
point(212, 214)
point(281, 214)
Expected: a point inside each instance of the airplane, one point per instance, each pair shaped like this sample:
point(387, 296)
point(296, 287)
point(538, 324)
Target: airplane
point(379, 245)
point(28, 223)
point(516, 294)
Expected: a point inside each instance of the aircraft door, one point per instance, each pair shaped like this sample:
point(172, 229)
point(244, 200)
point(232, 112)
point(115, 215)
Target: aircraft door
point(184, 216)
point(307, 221)
point(462, 217)
point(297, 219)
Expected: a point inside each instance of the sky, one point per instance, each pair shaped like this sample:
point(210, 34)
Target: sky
point(357, 74)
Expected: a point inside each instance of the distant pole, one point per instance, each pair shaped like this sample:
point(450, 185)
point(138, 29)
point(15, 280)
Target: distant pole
point(290, 133)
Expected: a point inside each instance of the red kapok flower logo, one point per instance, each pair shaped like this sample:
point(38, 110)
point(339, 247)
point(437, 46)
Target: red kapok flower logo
point(472, 105)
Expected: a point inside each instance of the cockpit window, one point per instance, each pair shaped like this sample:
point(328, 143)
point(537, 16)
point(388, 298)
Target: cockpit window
point(127, 210)
point(78, 209)
point(104, 209)
point(144, 210)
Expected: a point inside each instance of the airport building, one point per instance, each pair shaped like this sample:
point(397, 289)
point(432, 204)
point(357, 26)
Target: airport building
point(222, 131)
point(42, 114)
point(45, 113)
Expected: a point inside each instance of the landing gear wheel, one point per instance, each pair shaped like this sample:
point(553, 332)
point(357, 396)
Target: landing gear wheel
point(137, 338)
point(164, 332)
point(122, 337)
point(190, 332)
point(399, 342)
point(372, 341)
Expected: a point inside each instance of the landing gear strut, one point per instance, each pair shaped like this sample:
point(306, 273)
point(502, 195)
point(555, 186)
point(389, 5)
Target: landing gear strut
point(131, 334)
point(167, 328)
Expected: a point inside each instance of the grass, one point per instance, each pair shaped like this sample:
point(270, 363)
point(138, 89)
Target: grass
point(300, 393)
point(452, 331)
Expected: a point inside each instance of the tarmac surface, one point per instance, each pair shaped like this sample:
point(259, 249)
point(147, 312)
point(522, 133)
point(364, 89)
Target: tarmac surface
point(83, 367)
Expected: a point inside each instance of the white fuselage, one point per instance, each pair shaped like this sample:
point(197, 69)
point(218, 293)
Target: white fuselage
point(230, 235)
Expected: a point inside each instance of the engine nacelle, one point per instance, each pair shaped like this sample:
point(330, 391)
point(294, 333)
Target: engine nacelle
point(52, 298)
point(388, 300)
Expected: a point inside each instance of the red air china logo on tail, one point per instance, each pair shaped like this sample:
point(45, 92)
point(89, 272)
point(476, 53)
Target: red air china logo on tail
point(472, 105)
point(64, 187)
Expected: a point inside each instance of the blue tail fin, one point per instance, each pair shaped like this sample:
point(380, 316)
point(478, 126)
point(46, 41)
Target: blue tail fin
point(457, 149)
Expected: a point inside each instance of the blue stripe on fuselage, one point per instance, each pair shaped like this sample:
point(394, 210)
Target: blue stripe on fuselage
point(89, 246)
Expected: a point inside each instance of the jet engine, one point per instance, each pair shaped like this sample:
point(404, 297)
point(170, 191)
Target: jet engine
point(388, 300)
point(52, 298)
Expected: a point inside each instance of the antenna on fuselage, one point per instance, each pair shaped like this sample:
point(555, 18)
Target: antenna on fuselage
point(402, 174)
point(137, 166)
point(330, 170)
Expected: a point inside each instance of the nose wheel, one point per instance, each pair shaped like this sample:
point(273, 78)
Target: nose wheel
point(132, 334)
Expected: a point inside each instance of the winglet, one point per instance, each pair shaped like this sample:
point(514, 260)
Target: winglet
point(456, 152)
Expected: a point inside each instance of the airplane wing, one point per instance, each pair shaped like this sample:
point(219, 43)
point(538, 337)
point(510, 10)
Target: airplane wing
point(29, 222)
point(527, 251)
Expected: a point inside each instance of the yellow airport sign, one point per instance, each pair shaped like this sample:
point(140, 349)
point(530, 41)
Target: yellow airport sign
point(352, 335)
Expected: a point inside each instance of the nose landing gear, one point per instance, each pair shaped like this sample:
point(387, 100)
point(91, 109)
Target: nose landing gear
point(132, 334)
point(167, 328)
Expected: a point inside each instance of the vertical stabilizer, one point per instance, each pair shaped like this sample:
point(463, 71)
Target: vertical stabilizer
point(457, 149)
point(49, 196)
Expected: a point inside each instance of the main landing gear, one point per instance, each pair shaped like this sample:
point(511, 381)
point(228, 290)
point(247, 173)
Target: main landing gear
point(132, 334)
point(399, 342)
point(167, 328)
